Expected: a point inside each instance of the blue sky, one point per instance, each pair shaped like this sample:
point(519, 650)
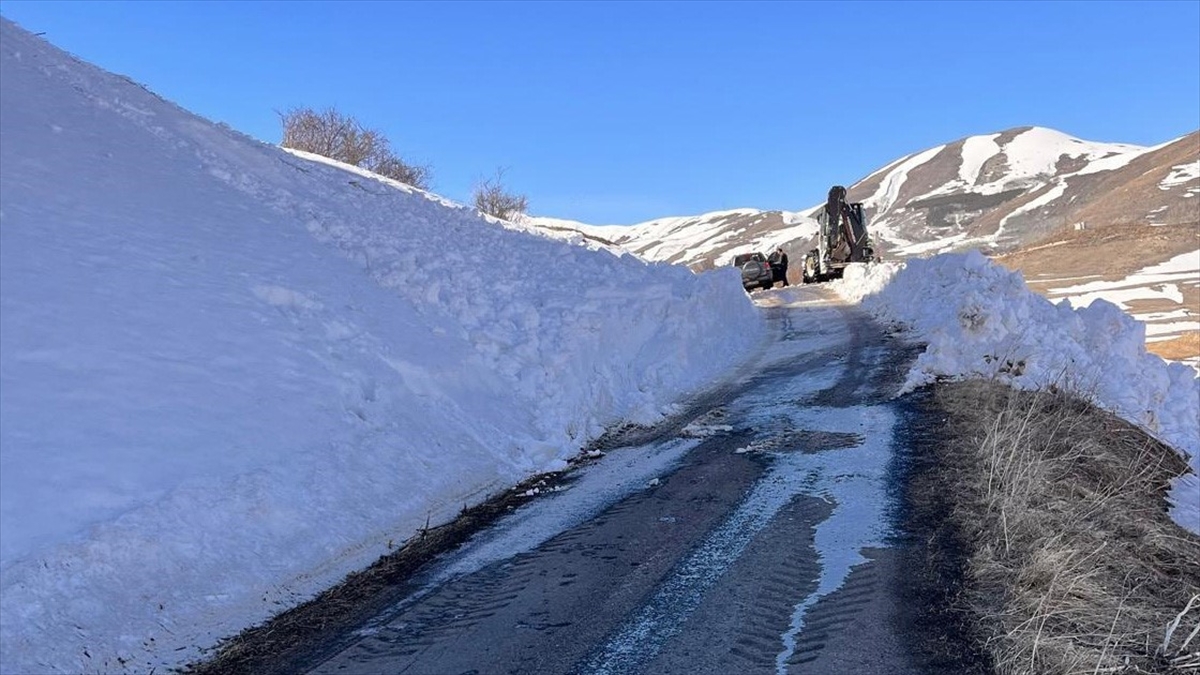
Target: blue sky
point(615, 113)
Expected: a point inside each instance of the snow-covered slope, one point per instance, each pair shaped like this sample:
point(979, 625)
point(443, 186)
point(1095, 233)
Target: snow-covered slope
point(230, 375)
point(1164, 296)
point(1000, 192)
point(701, 242)
point(997, 192)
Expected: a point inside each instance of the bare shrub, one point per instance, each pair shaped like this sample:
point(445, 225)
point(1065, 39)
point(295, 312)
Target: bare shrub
point(492, 198)
point(341, 137)
point(329, 134)
point(396, 169)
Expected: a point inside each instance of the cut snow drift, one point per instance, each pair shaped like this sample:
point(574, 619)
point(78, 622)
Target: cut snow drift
point(231, 375)
point(978, 319)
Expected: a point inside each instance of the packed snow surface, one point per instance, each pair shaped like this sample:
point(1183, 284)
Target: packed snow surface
point(231, 375)
point(979, 319)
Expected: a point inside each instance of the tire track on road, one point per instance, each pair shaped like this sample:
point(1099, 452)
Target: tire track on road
point(752, 553)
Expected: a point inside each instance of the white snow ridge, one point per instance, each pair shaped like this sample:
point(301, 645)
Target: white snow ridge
point(230, 375)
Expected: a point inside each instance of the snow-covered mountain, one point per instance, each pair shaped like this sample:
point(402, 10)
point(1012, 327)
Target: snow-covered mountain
point(1058, 209)
point(999, 193)
point(1005, 191)
point(1080, 220)
point(701, 242)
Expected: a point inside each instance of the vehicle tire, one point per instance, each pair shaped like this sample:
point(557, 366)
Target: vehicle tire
point(809, 273)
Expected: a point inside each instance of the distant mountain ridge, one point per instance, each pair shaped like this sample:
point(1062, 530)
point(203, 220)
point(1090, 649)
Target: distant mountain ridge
point(1001, 192)
point(701, 242)
point(1059, 209)
point(998, 192)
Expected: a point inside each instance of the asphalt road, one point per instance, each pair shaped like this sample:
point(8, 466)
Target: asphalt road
point(759, 531)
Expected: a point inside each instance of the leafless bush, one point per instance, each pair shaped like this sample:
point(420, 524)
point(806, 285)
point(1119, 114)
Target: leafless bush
point(396, 169)
point(492, 198)
point(341, 137)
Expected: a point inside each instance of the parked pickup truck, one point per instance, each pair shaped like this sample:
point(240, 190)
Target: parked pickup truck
point(756, 271)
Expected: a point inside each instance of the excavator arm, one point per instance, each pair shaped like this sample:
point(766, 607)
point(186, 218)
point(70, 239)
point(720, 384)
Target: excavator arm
point(842, 240)
point(846, 228)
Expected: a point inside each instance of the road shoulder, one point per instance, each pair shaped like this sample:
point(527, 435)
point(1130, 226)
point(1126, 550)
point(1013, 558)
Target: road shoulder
point(1069, 561)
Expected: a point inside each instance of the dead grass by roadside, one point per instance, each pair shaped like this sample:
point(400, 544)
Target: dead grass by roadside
point(1073, 563)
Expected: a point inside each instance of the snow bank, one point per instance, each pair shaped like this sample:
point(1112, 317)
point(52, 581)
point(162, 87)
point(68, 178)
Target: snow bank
point(231, 375)
point(979, 320)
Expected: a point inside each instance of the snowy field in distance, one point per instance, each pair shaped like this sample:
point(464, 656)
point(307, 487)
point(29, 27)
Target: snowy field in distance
point(1161, 282)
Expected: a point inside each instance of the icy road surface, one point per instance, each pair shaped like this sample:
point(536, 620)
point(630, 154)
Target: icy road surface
point(750, 535)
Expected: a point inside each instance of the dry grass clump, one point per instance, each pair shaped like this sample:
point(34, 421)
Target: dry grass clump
point(1074, 565)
